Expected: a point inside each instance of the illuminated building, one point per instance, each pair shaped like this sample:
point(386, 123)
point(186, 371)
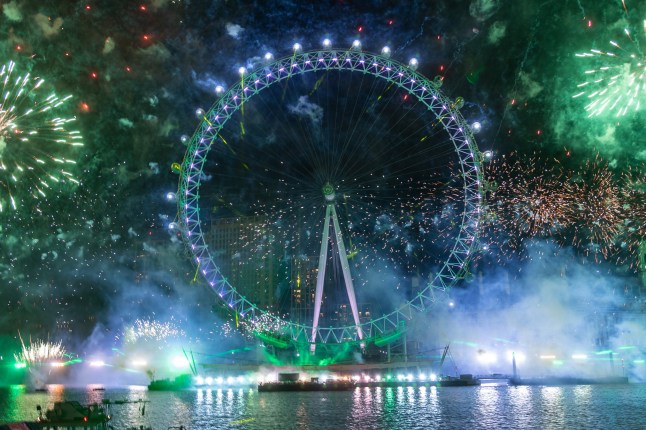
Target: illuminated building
point(236, 245)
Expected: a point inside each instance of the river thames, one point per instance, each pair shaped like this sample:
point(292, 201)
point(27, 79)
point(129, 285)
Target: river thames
point(484, 407)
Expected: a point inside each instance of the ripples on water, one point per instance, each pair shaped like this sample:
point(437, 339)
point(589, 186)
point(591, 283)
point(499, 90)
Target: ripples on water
point(485, 407)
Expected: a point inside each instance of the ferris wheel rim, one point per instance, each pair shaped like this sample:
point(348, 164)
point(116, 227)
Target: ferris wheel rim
point(381, 67)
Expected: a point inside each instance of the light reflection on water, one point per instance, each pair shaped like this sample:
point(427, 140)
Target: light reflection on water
point(423, 397)
point(488, 402)
point(434, 402)
point(552, 405)
point(410, 396)
point(582, 393)
point(521, 402)
point(363, 408)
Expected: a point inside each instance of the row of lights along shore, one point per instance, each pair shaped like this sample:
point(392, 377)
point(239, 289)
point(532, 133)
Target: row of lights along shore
point(230, 380)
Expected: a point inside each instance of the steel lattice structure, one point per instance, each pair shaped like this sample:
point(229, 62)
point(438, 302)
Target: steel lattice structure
point(426, 91)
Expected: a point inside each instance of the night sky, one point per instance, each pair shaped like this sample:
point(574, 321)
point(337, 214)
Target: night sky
point(75, 265)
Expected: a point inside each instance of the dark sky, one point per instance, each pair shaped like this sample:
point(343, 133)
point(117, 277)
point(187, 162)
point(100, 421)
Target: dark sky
point(70, 263)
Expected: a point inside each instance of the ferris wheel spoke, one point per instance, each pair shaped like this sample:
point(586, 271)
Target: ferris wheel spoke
point(389, 144)
point(351, 142)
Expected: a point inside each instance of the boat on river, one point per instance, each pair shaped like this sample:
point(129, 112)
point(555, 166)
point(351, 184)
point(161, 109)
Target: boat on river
point(182, 382)
point(72, 415)
point(291, 382)
point(516, 380)
point(68, 415)
point(568, 380)
point(464, 380)
point(267, 387)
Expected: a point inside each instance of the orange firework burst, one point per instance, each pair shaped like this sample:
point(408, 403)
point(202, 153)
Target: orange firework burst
point(597, 206)
point(528, 196)
point(633, 233)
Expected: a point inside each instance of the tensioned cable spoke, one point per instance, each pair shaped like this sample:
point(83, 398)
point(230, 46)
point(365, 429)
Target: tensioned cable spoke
point(401, 139)
point(277, 159)
point(349, 142)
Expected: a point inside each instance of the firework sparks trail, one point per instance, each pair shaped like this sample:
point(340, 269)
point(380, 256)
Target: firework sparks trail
point(633, 233)
point(528, 196)
point(588, 208)
point(410, 210)
point(422, 216)
point(264, 322)
point(151, 330)
point(33, 136)
point(530, 45)
point(597, 207)
point(39, 352)
point(616, 81)
point(525, 199)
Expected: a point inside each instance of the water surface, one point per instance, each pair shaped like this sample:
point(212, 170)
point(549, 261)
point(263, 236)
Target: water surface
point(484, 407)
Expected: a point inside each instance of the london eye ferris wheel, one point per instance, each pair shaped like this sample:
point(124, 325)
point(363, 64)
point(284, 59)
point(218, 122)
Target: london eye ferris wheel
point(331, 195)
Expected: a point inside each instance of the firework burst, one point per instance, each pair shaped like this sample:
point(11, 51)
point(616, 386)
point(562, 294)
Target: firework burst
point(529, 196)
point(615, 83)
point(33, 138)
point(597, 206)
point(588, 208)
point(526, 198)
point(633, 194)
point(39, 352)
point(152, 331)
